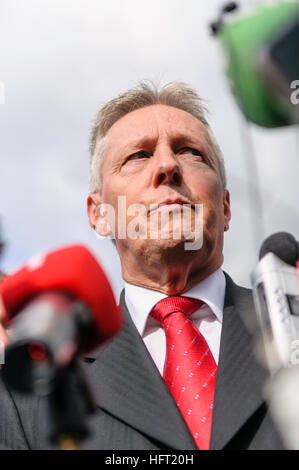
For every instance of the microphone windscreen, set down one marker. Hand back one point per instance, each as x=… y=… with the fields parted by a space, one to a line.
x=73 y=270
x=283 y=245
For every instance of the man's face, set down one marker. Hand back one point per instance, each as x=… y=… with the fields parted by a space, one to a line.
x=157 y=154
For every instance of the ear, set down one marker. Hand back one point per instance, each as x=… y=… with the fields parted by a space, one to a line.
x=226 y=209
x=96 y=220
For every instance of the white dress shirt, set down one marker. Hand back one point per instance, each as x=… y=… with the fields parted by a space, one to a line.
x=208 y=318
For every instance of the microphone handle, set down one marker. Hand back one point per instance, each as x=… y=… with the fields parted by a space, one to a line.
x=69 y=404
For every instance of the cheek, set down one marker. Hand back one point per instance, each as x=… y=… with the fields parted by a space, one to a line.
x=208 y=190
x=120 y=199
x=211 y=196
x=111 y=190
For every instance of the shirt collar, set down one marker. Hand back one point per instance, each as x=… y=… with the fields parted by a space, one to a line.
x=141 y=300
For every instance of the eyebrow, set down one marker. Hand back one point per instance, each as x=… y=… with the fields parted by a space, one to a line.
x=181 y=139
x=178 y=139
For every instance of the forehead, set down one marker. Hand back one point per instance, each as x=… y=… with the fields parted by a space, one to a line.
x=154 y=121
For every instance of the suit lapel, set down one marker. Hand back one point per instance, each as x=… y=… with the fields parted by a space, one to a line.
x=238 y=391
x=129 y=386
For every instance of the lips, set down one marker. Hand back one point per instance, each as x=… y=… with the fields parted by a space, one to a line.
x=170 y=204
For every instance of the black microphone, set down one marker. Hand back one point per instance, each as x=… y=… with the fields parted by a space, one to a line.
x=282 y=244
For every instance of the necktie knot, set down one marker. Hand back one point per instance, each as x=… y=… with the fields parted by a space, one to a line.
x=173 y=304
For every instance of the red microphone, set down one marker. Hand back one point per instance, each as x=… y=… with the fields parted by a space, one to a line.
x=59 y=305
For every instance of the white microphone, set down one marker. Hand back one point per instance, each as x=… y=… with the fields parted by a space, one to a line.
x=275 y=284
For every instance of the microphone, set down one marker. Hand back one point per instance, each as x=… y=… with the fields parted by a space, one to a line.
x=283 y=245
x=276 y=297
x=59 y=305
x=275 y=283
x=261 y=62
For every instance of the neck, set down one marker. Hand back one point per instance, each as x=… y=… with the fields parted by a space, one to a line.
x=169 y=276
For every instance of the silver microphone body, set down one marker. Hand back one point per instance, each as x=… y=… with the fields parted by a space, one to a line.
x=275 y=287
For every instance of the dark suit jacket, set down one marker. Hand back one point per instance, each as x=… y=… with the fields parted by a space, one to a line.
x=135 y=408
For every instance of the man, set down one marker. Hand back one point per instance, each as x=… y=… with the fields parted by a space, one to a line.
x=185 y=378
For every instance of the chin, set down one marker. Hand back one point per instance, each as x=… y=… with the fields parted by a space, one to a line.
x=159 y=251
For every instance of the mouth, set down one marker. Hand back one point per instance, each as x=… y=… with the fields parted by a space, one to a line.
x=170 y=204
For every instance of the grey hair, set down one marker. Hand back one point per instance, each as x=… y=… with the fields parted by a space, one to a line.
x=175 y=94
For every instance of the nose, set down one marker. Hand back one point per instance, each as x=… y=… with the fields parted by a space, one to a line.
x=166 y=169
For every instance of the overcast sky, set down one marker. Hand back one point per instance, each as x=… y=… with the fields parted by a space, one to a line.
x=62 y=59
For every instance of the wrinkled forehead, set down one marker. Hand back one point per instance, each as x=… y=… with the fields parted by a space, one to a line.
x=152 y=123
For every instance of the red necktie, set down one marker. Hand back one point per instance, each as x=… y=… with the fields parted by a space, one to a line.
x=189 y=368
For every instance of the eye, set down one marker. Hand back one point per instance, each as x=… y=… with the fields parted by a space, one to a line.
x=138 y=155
x=192 y=151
